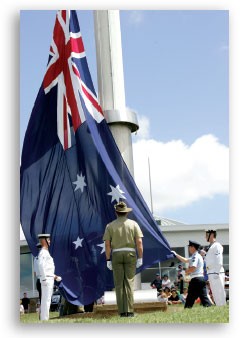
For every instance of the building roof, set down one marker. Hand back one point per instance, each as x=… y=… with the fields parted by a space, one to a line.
x=167 y=221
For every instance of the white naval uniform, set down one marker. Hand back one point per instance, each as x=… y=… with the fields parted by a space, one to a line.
x=215 y=271
x=36 y=267
x=46 y=270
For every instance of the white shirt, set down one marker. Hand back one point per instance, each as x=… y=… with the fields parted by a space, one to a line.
x=162 y=299
x=165 y=283
x=46 y=264
x=214 y=258
x=36 y=267
x=196 y=260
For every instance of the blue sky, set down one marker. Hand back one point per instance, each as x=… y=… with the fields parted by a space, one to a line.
x=176 y=79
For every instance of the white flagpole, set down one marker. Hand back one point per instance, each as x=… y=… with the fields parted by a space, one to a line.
x=151 y=199
x=111 y=93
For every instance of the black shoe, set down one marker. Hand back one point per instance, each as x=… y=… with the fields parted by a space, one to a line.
x=130 y=314
x=123 y=314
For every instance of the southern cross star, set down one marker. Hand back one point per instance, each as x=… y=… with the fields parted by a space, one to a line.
x=80 y=183
x=78 y=242
x=102 y=246
x=116 y=193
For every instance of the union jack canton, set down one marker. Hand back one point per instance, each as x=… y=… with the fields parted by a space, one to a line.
x=74 y=89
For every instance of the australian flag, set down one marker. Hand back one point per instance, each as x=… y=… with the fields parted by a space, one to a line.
x=72 y=173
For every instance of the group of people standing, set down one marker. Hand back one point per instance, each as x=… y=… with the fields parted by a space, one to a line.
x=214 y=269
x=123 y=238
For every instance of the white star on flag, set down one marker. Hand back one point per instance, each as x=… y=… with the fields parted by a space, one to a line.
x=102 y=246
x=80 y=183
x=116 y=193
x=78 y=242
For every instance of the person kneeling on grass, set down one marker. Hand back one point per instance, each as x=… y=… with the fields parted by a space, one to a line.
x=174 y=298
x=163 y=296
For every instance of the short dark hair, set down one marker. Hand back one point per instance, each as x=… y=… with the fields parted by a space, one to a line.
x=214 y=232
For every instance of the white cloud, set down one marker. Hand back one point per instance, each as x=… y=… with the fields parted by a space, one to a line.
x=180 y=174
x=144 y=127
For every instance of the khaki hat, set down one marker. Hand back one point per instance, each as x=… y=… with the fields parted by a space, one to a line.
x=122 y=207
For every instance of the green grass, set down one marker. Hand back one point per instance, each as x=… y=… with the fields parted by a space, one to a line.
x=175 y=314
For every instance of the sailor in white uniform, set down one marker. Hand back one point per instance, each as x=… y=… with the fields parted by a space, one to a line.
x=47 y=275
x=215 y=270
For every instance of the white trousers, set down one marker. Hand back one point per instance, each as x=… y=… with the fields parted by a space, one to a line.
x=46 y=293
x=217 y=287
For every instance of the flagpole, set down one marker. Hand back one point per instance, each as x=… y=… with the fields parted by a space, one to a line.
x=111 y=92
x=151 y=200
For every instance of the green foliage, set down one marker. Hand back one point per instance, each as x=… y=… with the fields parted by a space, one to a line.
x=175 y=314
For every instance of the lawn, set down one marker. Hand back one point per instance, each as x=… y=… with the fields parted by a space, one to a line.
x=175 y=314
